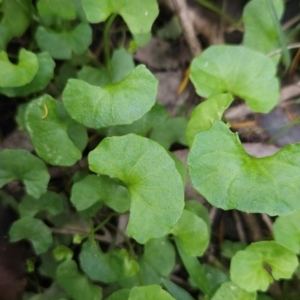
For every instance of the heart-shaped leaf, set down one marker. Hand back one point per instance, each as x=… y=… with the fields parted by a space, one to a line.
x=239 y=71
x=218 y=162
x=205 y=114
x=114 y=104
x=248 y=267
x=151 y=177
x=61 y=8
x=119 y=295
x=33 y=230
x=149 y=292
x=40 y=80
x=229 y=290
x=22 y=165
x=56 y=137
x=61 y=45
x=287 y=231
x=139 y=16
x=12 y=75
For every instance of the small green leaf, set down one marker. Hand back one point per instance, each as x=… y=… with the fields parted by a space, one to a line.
x=218 y=162
x=114 y=104
x=106 y=267
x=260 y=32
x=287 y=231
x=22 y=165
x=43 y=76
x=50 y=202
x=64 y=9
x=62 y=252
x=56 y=137
x=139 y=16
x=54 y=292
x=149 y=292
x=92 y=189
x=12 y=75
x=119 y=295
x=229 y=290
x=75 y=284
x=229 y=249
x=94 y=76
x=192 y=233
x=180 y=167
x=239 y=71
x=61 y=45
x=151 y=177
x=5 y=37
x=176 y=291
x=205 y=114
x=248 y=270
x=33 y=230
x=170 y=132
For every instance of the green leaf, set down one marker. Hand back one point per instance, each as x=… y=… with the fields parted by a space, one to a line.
x=64 y=9
x=106 y=267
x=151 y=177
x=191 y=231
x=62 y=252
x=50 y=202
x=54 y=292
x=93 y=76
x=33 y=230
x=114 y=104
x=5 y=37
x=61 y=45
x=218 y=162
x=239 y=71
x=119 y=295
x=149 y=292
x=22 y=165
x=205 y=114
x=176 y=291
x=139 y=16
x=229 y=290
x=228 y=248
x=56 y=137
x=93 y=189
x=248 y=270
x=180 y=167
x=75 y=284
x=15 y=75
x=170 y=132
x=17 y=15
x=260 y=32
x=286 y=231
x=43 y=76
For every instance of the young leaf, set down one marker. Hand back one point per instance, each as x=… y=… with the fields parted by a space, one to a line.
x=139 y=16
x=239 y=71
x=205 y=114
x=149 y=292
x=151 y=177
x=176 y=291
x=169 y=132
x=248 y=270
x=21 y=164
x=191 y=231
x=75 y=284
x=119 y=295
x=50 y=202
x=62 y=252
x=228 y=290
x=287 y=231
x=92 y=189
x=12 y=75
x=114 y=104
x=218 y=162
x=106 y=267
x=61 y=45
x=33 y=230
x=56 y=137
x=40 y=80
x=64 y=9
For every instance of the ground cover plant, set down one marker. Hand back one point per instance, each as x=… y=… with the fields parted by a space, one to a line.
x=100 y=196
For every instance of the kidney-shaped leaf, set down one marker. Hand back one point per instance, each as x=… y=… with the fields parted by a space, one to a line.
x=205 y=114
x=33 y=230
x=229 y=178
x=62 y=8
x=149 y=292
x=114 y=104
x=239 y=71
x=151 y=177
x=287 y=231
x=76 y=284
x=138 y=15
x=56 y=137
x=93 y=189
x=14 y=75
x=21 y=164
x=248 y=267
x=40 y=80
